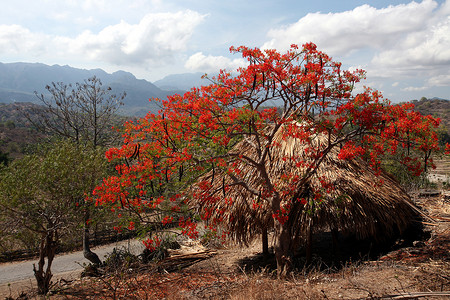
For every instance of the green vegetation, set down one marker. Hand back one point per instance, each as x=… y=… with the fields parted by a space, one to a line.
x=4 y=158
x=43 y=195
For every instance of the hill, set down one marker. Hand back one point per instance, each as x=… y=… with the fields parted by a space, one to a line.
x=16 y=133
x=439 y=108
x=19 y=81
x=436 y=107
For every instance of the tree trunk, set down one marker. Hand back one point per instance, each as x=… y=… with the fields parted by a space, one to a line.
x=283 y=242
x=87 y=253
x=49 y=243
x=283 y=250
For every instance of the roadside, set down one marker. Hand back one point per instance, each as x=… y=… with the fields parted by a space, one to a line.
x=17 y=276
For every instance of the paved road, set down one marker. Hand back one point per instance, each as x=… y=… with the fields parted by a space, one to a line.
x=63 y=263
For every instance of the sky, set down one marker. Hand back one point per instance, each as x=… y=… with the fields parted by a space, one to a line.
x=403 y=45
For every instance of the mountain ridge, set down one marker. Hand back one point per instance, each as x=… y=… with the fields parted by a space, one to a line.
x=20 y=80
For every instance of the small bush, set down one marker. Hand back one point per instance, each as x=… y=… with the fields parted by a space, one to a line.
x=160 y=252
x=120 y=259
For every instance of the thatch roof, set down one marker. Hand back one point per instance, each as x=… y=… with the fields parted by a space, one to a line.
x=362 y=202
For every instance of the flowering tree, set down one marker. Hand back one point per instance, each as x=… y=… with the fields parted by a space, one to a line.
x=302 y=94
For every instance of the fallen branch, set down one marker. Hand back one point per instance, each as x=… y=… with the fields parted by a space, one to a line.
x=181 y=261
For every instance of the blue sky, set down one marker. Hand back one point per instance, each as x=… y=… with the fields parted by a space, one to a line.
x=403 y=45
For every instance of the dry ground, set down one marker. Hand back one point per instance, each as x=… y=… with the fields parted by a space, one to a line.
x=413 y=271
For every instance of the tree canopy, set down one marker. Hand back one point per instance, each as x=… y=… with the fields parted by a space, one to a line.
x=299 y=95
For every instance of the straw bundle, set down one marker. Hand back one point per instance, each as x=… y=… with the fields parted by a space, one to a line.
x=361 y=202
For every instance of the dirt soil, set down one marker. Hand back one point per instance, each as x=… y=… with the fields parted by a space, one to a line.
x=416 y=267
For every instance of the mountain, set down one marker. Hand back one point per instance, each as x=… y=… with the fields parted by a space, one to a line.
x=19 y=81
x=183 y=82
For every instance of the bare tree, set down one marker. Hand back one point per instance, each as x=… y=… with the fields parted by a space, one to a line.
x=84 y=115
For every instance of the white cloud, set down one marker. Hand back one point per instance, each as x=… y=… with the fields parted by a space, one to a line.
x=422 y=49
x=17 y=39
x=397 y=42
x=201 y=62
x=156 y=38
x=440 y=80
x=415 y=88
x=362 y=27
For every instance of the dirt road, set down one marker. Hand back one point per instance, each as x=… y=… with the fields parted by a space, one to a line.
x=63 y=263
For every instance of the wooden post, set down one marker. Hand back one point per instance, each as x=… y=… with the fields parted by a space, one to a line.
x=265 y=242
x=309 y=243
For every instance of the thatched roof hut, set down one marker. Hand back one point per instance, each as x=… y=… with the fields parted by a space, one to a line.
x=362 y=202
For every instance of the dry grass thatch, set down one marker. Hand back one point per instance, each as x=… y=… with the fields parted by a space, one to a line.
x=361 y=203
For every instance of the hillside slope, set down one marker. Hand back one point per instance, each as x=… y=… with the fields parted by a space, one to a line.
x=436 y=107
